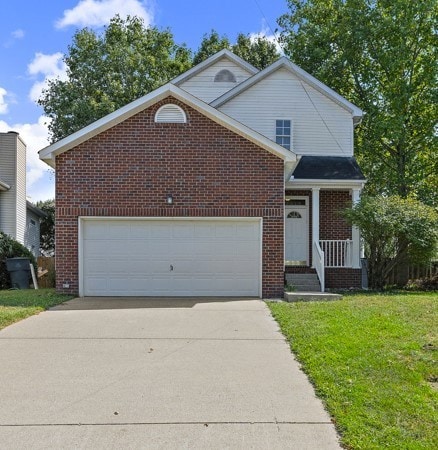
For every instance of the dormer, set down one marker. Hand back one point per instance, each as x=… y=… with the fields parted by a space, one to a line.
x=215 y=76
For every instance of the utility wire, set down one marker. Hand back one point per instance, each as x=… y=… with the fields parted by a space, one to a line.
x=268 y=24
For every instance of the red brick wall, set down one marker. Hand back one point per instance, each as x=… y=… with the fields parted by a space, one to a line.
x=129 y=170
x=332 y=225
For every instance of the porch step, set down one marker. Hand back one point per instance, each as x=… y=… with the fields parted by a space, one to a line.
x=310 y=296
x=303 y=282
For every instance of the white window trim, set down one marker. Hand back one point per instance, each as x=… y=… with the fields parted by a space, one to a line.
x=291 y=131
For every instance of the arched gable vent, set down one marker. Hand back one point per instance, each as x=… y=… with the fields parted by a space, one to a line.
x=170 y=113
x=225 y=75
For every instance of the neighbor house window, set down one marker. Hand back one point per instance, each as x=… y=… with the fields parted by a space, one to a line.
x=283 y=133
x=32 y=222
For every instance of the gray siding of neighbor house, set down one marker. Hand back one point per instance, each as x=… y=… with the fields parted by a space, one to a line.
x=32 y=233
x=13 y=172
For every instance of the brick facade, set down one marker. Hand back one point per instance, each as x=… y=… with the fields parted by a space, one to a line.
x=128 y=170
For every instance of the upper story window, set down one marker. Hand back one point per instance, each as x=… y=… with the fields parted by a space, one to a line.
x=170 y=113
x=225 y=75
x=32 y=222
x=283 y=133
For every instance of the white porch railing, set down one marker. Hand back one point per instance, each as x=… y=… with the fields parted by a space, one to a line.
x=318 y=263
x=337 y=253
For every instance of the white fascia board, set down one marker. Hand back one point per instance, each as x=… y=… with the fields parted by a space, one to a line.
x=325 y=184
x=4 y=186
x=283 y=62
x=49 y=153
x=211 y=60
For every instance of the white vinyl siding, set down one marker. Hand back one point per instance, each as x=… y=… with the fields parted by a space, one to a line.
x=21 y=190
x=13 y=172
x=205 y=88
x=170 y=257
x=32 y=235
x=320 y=126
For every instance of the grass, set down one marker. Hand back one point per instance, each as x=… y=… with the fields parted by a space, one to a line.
x=371 y=359
x=16 y=305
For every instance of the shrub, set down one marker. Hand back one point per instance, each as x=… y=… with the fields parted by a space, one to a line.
x=423 y=284
x=10 y=248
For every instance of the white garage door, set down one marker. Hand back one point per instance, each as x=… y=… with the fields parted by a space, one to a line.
x=170 y=257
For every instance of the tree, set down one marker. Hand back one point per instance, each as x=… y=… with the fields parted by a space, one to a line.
x=258 y=51
x=109 y=70
x=47 y=227
x=396 y=232
x=381 y=55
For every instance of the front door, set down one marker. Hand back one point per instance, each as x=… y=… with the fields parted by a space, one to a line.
x=297 y=232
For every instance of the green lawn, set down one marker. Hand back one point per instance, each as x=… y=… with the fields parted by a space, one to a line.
x=370 y=358
x=16 y=305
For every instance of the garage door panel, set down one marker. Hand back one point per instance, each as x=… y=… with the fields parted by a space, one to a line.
x=171 y=257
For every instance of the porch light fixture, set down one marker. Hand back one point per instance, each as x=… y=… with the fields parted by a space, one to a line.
x=169 y=199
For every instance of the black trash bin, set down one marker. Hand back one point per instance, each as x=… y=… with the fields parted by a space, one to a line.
x=19 y=270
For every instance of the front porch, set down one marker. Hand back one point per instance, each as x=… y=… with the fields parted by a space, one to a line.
x=318 y=240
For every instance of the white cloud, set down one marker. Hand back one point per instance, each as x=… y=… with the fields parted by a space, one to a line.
x=36 y=137
x=265 y=33
x=50 y=66
x=3 y=104
x=18 y=34
x=96 y=13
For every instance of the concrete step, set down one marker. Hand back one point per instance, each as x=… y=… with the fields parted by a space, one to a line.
x=302 y=276
x=310 y=296
x=303 y=282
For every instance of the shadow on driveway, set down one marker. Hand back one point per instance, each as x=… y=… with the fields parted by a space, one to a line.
x=100 y=303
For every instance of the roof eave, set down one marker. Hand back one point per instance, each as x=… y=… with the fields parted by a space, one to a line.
x=4 y=186
x=49 y=153
x=308 y=183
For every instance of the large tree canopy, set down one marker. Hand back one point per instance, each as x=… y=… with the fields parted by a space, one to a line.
x=110 y=70
x=258 y=50
x=381 y=55
x=106 y=71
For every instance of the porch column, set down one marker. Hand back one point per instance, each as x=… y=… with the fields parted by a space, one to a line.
x=315 y=219
x=355 y=235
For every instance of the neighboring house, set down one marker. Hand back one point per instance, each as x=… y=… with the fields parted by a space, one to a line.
x=217 y=183
x=18 y=217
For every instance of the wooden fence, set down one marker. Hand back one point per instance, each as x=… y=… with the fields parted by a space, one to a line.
x=411 y=272
x=46 y=271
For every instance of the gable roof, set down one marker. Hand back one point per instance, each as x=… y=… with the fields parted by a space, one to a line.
x=210 y=61
x=49 y=153
x=283 y=62
x=39 y=212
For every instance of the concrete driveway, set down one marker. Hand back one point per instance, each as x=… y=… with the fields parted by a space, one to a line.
x=115 y=373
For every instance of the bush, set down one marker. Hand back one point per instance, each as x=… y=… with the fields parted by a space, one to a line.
x=10 y=248
x=423 y=284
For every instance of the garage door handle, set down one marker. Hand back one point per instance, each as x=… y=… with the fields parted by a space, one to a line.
x=171 y=267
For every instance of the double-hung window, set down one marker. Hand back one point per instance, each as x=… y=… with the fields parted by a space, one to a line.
x=283 y=133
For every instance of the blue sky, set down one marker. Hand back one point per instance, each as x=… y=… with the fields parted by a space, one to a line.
x=36 y=34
